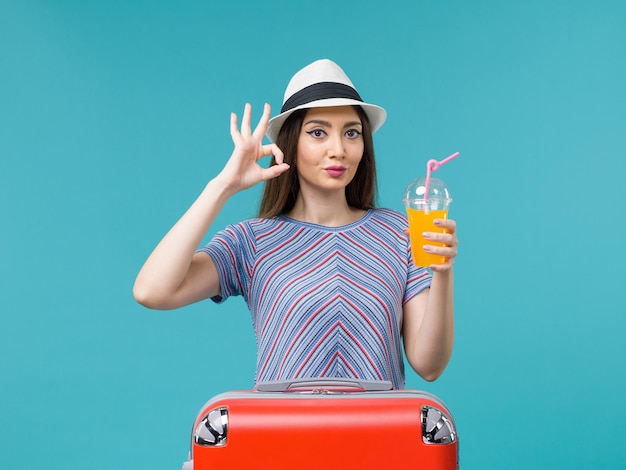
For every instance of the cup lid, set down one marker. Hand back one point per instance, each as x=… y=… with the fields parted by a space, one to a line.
x=437 y=191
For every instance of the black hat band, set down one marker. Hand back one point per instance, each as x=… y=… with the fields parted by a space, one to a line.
x=320 y=91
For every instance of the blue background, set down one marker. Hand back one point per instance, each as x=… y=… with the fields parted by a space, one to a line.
x=114 y=115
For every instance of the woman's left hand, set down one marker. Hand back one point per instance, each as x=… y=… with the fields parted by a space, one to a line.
x=449 y=239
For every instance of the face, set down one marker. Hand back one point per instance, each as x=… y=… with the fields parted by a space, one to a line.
x=330 y=148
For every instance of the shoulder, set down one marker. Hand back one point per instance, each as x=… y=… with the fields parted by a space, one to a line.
x=255 y=229
x=388 y=226
x=260 y=226
x=389 y=217
x=253 y=225
x=243 y=238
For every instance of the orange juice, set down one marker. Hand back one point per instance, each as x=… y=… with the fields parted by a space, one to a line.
x=420 y=222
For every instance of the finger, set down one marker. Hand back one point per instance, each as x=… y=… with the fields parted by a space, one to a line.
x=272 y=149
x=449 y=252
x=261 y=127
x=449 y=257
x=433 y=236
x=448 y=239
x=448 y=224
x=440 y=268
x=234 y=129
x=274 y=171
x=439 y=248
x=245 y=120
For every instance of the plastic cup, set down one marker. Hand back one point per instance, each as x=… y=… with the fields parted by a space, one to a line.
x=422 y=209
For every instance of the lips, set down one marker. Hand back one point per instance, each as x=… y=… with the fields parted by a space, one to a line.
x=335 y=171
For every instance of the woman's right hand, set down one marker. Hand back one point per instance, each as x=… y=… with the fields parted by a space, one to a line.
x=174 y=274
x=242 y=170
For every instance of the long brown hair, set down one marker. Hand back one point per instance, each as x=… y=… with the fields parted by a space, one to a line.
x=280 y=193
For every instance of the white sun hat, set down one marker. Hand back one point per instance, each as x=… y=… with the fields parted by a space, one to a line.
x=320 y=84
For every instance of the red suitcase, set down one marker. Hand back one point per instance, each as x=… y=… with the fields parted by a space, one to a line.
x=324 y=423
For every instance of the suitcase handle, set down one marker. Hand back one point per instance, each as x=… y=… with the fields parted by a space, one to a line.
x=324 y=385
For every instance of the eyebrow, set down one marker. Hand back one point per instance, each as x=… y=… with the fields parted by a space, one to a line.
x=328 y=124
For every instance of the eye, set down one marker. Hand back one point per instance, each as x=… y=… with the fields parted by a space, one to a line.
x=352 y=134
x=316 y=133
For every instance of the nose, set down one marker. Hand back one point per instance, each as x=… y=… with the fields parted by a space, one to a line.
x=336 y=147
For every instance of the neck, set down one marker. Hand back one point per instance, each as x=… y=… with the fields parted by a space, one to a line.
x=327 y=211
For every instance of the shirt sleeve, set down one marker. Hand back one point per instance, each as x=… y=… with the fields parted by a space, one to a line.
x=227 y=249
x=418 y=279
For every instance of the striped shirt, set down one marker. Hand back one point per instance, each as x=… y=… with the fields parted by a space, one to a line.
x=325 y=301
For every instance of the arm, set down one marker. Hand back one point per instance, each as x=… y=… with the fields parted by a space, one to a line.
x=428 y=325
x=174 y=274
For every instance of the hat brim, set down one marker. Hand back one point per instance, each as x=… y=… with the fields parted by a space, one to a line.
x=375 y=114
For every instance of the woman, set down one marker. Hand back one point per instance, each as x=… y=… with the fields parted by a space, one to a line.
x=329 y=279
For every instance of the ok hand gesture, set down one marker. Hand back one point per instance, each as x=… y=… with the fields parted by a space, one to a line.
x=243 y=170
